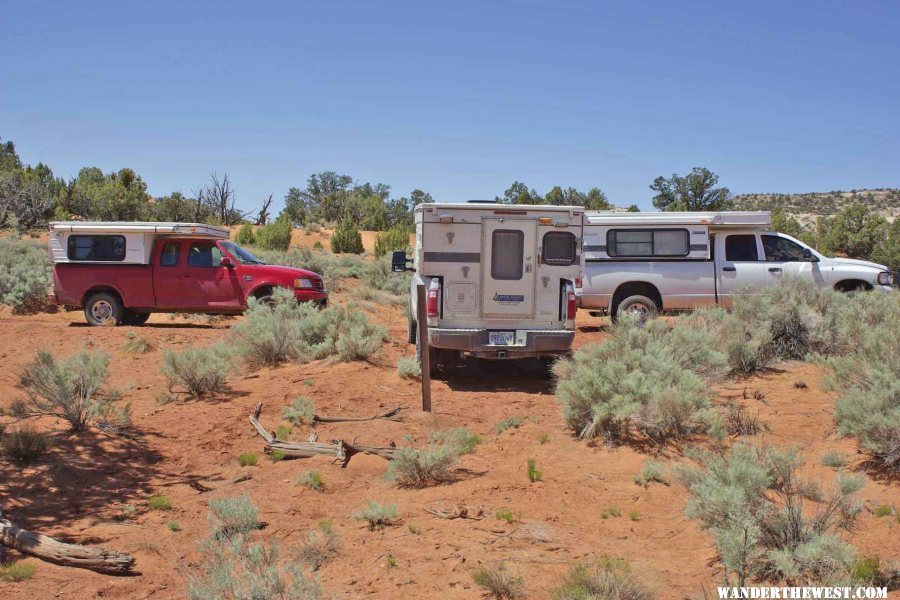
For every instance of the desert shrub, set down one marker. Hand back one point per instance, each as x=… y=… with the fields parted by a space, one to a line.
x=159 y=502
x=25 y=444
x=870 y=572
x=498 y=582
x=25 y=272
x=283 y=432
x=652 y=471
x=71 y=389
x=136 y=344
x=533 y=473
x=277 y=455
x=312 y=480
x=275 y=236
x=834 y=459
x=766 y=520
x=609 y=579
x=504 y=514
x=395 y=238
x=508 y=423
x=199 y=372
x=319 y=546
x=235 y=566
x=359 y=339
x=347 y=239
x=642 y=381
x=739 y=421
x=461 y=438
x=245 y=235
x=409 y=368
x=377 y=515
x=173 y=526
x=302 y=410
x=379 y=276
x=423 y=467
x=248 y=459
x=13 y=572
x=233 y=516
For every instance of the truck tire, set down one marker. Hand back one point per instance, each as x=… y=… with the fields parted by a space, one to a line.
x=103 y=308
x=641 y=306
x=412 y=330
x=134 y=318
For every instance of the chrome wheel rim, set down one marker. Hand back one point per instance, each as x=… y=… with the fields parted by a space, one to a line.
x=641 y=311
x=102 y=311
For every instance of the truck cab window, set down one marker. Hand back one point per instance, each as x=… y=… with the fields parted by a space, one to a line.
x=559 y=248
x=107 y=248
x=507 y=253
x=170 y=253
x=779 y=249
x=741 y=248
x=204 y=255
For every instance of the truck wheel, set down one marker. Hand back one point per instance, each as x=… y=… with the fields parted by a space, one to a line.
x=103 y=308
x=641 y=307
x=134 y=318
x=412 y=330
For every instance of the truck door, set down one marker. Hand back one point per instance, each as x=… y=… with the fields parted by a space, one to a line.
x=508 y=271
x=168 y=272
x=206 y=283
x=787 y=258
x=740 y=265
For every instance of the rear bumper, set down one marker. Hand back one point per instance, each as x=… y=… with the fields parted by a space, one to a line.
x=538 y=342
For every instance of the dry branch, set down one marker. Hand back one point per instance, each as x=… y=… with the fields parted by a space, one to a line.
x=388 y=415
x=44 y=547
x=342 y=451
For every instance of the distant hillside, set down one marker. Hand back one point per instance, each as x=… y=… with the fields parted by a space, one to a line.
x=806 y=208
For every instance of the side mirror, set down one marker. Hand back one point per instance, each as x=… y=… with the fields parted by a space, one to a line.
x=226 y=262
x=399 y=262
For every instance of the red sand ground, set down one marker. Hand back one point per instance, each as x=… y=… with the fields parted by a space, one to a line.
x=188 y=451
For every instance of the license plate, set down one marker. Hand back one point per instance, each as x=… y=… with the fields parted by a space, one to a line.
x=501 y=338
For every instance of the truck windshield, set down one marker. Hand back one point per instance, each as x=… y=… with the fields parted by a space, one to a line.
x=243 y=257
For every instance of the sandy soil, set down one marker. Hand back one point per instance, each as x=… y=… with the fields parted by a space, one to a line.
x=188 y=450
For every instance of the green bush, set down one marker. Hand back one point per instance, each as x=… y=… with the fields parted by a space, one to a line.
x=26 y=444
x=159 y=502
x=409 y=368
x=301 y=411
x=533 y=473
x=462 y=439
x=379 y=276
x=609 y=579
x=423 y=467
x=319 y=546
x=25 y=271
x=347 y=239
x=498 y=582
x=312 y=480
x=233 y=516
x=377 y=515
x=394 y=239
x=136 y=344
x=275 y=236
x=248 y=459
x=198 y=372
x=651 y=472
x=766 y=520
x=245 y=235
x=13 y=572
x=508 y=423
x=70 y=389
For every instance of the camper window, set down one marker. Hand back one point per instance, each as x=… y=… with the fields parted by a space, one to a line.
x=559 y=248
x=741 y=248
x=106 y=248
x=507 y=250
x=647 y=242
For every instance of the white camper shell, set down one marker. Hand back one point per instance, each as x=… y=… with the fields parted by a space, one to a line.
x=500 y=279
x=68 y=238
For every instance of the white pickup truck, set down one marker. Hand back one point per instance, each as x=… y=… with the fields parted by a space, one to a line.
x=647 y=263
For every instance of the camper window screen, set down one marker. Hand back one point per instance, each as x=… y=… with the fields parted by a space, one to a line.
x=559 y=248
x=647 y=242
x=507 y=250
x=96 y=247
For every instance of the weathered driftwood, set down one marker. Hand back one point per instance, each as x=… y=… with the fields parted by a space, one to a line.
x=68 y=555
x=342 y=451
x=326 y=419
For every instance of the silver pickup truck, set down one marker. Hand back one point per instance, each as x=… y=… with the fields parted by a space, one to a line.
x=647 y=263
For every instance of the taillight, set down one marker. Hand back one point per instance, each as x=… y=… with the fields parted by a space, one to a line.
x=432 y=304
x=578 y=282
x=571 y=309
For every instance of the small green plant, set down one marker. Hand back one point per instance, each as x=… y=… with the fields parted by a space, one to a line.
x=283 y=432
x=136 y=344
x=319 y=545
x=234 y=516
x=391 y=561
x=634 y=515
x=245 y=235
x=499 y=583
x=173 y=526
x=464 y=440
x=608 y=579
x=834 y=459
x=377 y=515
x=277 y=455
x=612 y=511
x=651 y=472
x=409 y=368
x=308 y=382
x=198 y=372
x=533 y=473
x=159 y=502
x=312 y=480
x=543 y=438
x=884 y=511
x=13 y=572
x=423 y=467
x=504 y=514
x=509 y=423
x=25 y=444
x=301 y=411
x=248 y=459
x=414 y=529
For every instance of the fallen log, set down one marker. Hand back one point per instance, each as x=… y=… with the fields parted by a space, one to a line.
x=111 y=562
x=341 y=450
x=389 y=415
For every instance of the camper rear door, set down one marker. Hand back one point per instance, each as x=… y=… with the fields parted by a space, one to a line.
x=509 y=265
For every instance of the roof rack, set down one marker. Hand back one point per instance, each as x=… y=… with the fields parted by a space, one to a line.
x=164 y=228
x=713 y=219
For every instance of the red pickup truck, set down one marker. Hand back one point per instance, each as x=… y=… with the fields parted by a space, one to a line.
x=120 y=273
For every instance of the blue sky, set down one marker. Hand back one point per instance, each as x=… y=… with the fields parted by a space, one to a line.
x=458 y=98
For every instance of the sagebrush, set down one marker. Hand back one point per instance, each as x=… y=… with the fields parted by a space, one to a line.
x=198 y=372
x=608 y=579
